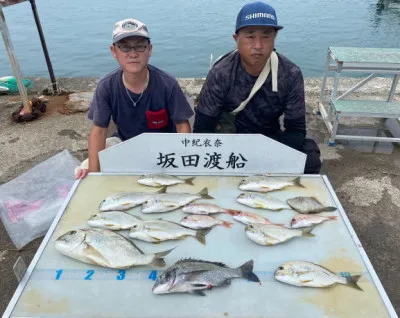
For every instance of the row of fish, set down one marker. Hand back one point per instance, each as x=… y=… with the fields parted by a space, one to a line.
x=161 y=201
x=256 y=183
x=194 y=276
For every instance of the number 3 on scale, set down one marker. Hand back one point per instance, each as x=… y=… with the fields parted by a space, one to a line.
x=121 y=275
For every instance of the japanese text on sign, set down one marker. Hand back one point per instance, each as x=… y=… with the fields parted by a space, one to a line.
x=205 y=143
x=211 y=161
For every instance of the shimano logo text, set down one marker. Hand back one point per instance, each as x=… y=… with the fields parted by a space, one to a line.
x=259 y=15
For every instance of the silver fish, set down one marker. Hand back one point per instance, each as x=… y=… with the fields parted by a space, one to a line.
x=197 y=222
x=261 y=201
x=105 y=248
x=268 y=234
x=262 y=183
x=306 y=220
x=156 y=231
x=161 y=179
x=308 y=205
x=166 y=202
x=205 y=208
x=126 y=200
x=194 y=276
x=305 y=274
x=114 y=220
x=251 y=217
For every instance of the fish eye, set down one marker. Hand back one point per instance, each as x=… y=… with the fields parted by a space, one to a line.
x=280 y=268
x=135 y=226
x=72 y=232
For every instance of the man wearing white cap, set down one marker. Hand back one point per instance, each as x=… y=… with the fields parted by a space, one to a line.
x=249 y=89
x=137 y=96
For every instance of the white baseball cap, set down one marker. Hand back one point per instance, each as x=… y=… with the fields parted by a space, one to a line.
x=129 y=27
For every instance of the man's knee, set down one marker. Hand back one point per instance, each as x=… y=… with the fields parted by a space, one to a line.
x=313 y=161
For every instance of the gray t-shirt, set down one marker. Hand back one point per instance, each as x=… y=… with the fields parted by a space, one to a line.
x=161 y=106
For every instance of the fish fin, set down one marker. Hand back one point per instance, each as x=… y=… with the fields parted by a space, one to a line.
x=307 y=231
x=296 y=182
x=162 y=189
x=185 y=260
x=330 y=209
x=352 y=282
x=94 y=255
x=201 y=235
x=279 y=224
x=135 y=246
x=227 y=224
x=247 y=271
x=306 y=281
x=164 y=253
x=197 y=292
x=158 y=260
x=233 y=212
x=189 y=181
x=204 y=194
x=332 y=218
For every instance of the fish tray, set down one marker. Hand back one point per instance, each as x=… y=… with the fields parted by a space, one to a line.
x=55 y=285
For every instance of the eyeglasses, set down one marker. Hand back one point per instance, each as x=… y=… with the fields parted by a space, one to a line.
x=136 y=48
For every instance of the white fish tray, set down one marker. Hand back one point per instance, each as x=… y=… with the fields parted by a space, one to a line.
x=55 y=285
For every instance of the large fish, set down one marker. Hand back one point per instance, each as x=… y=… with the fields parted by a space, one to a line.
x=166 y=202
x=126 y=200
x=161 y=179
x=306 y=220
x=105 y=248
x=269 y=234
x=204 y=208
x=261 y=201
x=308 y=205
x=156 y=231
x=114 y=220
x=261 y=183
x=194 y=276
x=305 y=274
x=250 y=217
x=197 y=222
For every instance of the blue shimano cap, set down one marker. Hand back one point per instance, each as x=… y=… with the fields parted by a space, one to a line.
x=257 y=13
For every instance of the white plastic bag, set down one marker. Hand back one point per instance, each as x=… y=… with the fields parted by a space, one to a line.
x=29 y=203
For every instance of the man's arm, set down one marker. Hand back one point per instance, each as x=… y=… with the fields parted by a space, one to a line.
x=183 y=127
x=211 y=101
x=97 y=143
x=295 y=115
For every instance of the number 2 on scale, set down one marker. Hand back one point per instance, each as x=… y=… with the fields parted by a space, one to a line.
x=89 y=275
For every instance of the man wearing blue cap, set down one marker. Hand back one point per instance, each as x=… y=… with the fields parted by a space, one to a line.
x=247 y=90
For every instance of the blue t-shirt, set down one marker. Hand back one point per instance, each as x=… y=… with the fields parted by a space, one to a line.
x=163 y=94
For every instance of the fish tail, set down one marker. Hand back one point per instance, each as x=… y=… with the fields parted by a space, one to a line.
x=162 y=189
x=331 y=218
x=233 y=212
x=189 y=181
x=247 y=271
x=297 y=183
x=158 y=260
x=352 y=282
x=201 y=235
x=227 y=224
x=307 y=231
x=204 y=194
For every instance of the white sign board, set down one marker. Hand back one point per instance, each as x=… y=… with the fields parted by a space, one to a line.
x=208 y=154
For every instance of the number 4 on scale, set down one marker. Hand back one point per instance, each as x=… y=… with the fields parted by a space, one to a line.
x=153 y=275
